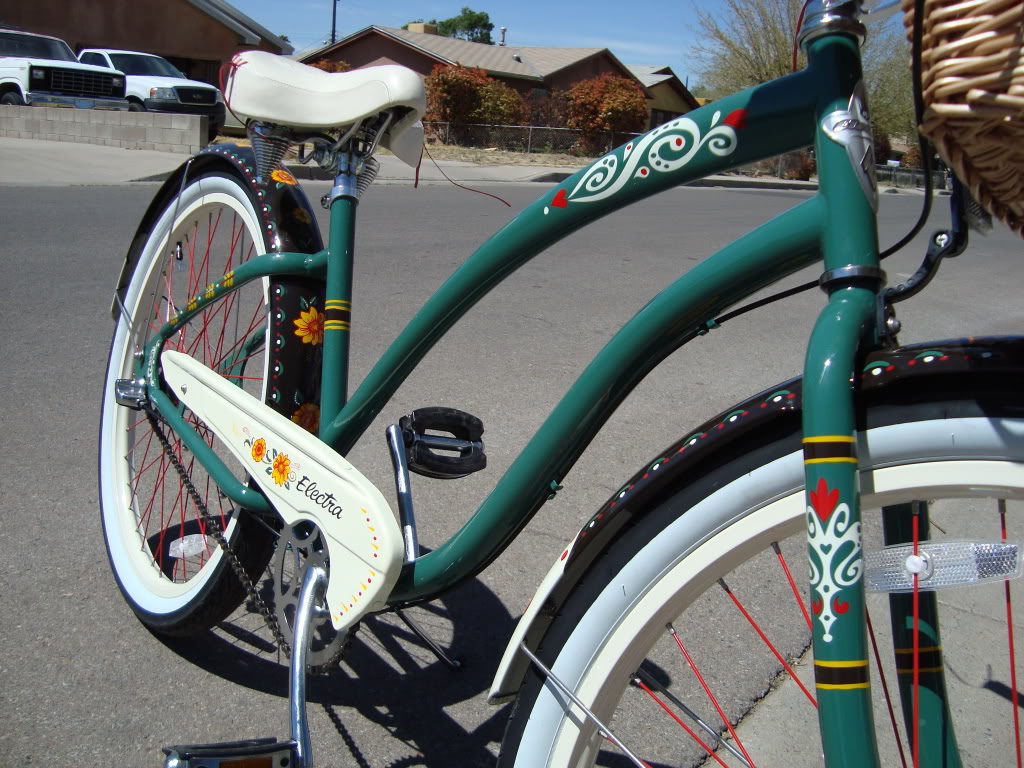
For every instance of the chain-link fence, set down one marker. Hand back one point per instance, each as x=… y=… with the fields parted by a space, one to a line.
x=525 y=138
x=894 y=176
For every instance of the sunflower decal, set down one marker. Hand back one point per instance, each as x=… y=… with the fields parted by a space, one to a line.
x=229 y=279
x=259 y=450
x=310 y=326
x=210 y=292
x=283 y=177
x=282 y=465
x=308 y=417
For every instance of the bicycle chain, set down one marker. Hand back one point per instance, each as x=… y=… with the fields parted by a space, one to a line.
x=213 y=525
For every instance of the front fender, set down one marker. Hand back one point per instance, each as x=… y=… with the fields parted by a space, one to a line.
x=945 y=366
x=280 y=200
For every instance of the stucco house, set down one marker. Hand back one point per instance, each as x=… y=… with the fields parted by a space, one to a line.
x=669 y=96
x=526 y=68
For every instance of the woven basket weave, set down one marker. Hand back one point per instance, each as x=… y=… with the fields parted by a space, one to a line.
x=972 y=78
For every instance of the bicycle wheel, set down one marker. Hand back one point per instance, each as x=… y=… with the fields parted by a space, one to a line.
x=668 y=583
x=172 y=573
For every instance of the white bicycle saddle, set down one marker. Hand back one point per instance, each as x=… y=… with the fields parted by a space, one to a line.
x=275 y=89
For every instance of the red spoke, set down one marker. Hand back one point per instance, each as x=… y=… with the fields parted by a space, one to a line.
x=1013 y=655
x=917 y=656
x=792 y=584
x=885 y=689
x=682 y=725
x=710 y=695
x=767 y=642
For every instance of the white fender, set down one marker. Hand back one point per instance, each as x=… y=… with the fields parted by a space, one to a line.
x=304 y=480
x=514 y=664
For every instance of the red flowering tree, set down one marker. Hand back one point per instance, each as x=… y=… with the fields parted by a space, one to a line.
x=605 y=103
x=460 y=94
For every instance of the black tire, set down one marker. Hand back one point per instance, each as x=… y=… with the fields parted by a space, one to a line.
x=169 y=569
x=136 y=106
x=614 y=621
x=12 y=99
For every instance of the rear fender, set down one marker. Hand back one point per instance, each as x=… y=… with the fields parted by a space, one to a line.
x=285 y=211
x=942 y=366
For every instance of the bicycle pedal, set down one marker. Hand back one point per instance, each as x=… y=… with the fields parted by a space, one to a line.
x=251 y=753
x=456 y=454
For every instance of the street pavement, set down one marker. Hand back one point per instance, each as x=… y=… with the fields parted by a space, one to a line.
x=48 y=163
x=81 y=682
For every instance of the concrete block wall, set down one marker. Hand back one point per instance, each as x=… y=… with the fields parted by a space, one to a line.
x=183 y=134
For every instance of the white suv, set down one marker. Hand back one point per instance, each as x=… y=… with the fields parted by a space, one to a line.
x=42 y=70
x=154 y=85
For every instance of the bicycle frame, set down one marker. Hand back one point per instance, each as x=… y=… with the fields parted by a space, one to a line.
x=838 y=225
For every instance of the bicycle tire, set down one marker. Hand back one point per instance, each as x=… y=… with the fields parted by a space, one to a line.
x=671 y=558
x=215 y=227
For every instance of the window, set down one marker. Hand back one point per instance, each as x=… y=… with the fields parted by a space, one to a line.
x=661 y=116
x=34 y=47
x=141 y=64
x=95 y=58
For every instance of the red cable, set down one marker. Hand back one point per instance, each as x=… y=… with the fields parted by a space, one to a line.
x=885 y=689
x=917 y=658
x=1013 y=655
x=796 y=33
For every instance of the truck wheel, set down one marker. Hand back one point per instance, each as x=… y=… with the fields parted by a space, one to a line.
x=13 y=99
x=134 y=106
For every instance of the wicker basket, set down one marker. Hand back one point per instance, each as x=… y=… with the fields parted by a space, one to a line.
x=972 y=72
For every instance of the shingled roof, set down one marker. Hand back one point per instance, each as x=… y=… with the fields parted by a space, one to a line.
x=525 y=62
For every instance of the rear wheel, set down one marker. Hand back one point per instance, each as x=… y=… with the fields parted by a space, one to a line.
x=166 y=560
x=659 y=605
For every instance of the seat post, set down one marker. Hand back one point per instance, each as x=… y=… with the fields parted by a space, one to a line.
x=343 y=199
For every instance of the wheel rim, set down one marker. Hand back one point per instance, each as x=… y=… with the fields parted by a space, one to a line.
x=631 y=711
x=159 y=546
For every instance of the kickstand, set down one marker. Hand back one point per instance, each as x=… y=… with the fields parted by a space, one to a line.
x=436 y=649
x=314 y=582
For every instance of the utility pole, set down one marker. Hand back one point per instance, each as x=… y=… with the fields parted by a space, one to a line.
x=334 y=20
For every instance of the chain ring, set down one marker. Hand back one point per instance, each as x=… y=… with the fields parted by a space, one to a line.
x=299 y=547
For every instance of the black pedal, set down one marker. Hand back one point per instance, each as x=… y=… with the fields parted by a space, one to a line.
x=252 y=753
x=457 y=453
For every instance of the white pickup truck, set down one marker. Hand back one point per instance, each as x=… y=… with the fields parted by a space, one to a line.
x=155 y=85
x=42 y=70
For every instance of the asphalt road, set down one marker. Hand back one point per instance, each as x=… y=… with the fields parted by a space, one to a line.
x=82 y=682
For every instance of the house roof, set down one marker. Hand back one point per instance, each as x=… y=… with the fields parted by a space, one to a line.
x=526 y=62
x=652 y=76
x=247 y=29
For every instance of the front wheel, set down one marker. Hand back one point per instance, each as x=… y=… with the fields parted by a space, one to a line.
x=682 y=590
x=164 y=557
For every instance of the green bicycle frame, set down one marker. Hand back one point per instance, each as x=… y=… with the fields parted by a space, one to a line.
x=838 y=225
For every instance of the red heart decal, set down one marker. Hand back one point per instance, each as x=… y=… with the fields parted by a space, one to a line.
x=824 y=501
x=560 y=201
x=737 y=119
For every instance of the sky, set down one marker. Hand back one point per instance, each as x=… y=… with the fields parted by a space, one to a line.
x=661 y=34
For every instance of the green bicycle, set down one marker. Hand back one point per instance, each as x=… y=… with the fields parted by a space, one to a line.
x=226 y=418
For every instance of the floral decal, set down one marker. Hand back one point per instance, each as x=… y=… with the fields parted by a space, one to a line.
x=259 y=450
x=310 y=326
x=283 y=177
x=835 y=560
x=276 y=464
x=280 y=468
x=192 y=304
x=210 y=292
x=229 y=279
x=665 y=149
x=308 y=417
